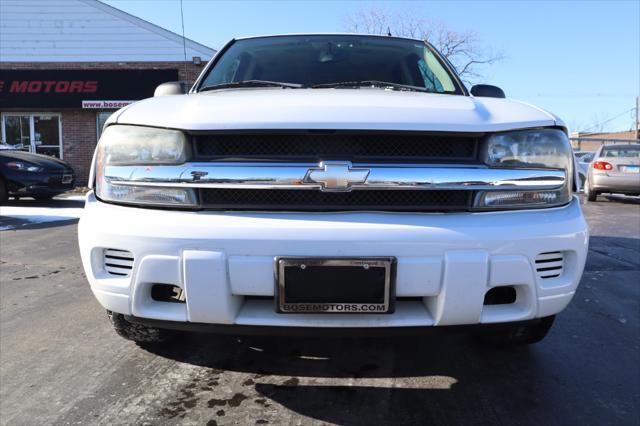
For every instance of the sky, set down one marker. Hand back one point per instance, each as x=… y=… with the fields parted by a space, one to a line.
x=578 y=59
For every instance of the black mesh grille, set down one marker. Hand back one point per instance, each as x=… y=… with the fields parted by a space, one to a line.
x=383 y=146
x=314 y=200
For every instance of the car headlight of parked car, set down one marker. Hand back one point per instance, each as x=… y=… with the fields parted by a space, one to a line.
x=124 y=145
x=25 y=166
x=529 y=149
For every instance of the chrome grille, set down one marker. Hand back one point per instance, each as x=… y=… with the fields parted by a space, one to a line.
x=550 y=264
x=341 y=170
x=313 y=200
x=345 y=146
x=118 y=262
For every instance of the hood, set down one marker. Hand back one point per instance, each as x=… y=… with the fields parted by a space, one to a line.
x=357 y=109
x=45 y=161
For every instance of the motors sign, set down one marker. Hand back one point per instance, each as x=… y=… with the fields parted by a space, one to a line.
x=79 y=88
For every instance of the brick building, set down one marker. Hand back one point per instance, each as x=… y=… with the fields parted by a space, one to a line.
x=593 y=141
x=66 y=65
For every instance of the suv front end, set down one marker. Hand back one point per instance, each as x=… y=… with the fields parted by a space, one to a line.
x=291 y=221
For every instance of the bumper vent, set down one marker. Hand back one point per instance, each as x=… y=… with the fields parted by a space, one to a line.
x=342 y=145
x=550 y=264
x=118 y=262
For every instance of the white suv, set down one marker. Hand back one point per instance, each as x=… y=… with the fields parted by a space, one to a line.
x=339 y=182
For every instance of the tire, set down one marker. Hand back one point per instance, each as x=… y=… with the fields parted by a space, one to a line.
x=4 y=192
x=138 y=333
x=590 y=193
x=517 y=334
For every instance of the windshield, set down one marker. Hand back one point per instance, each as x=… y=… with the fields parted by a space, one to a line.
x=325 y=59
x=623 y=152
x=584 y=157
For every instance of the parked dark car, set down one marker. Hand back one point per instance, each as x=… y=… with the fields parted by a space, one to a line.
x=23 y=174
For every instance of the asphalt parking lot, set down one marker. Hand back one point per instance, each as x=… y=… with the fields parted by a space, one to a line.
x=60 y=362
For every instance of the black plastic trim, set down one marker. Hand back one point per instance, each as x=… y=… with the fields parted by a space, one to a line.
x=250 y=330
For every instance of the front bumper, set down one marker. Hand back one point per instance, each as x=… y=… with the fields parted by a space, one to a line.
x=445 y=262
x=46 y=183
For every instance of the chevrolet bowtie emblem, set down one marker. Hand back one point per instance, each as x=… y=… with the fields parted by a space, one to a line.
x=336 y=176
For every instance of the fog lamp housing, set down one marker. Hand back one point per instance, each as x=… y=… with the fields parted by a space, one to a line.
x=147 y=195
x=489 y=200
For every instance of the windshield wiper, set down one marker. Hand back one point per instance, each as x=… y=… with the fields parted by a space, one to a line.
x=251 y=83
x=371 y=83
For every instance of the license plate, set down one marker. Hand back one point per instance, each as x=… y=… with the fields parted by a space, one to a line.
x=67 y=178
x=630 y=169
x=335 y=285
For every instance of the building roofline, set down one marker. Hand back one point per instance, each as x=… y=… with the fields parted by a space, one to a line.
x=170 y=35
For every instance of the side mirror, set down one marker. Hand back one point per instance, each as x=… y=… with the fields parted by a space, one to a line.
x=487 y=91
x=171 y=88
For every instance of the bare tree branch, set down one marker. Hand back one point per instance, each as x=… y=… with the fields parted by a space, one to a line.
x=463 y=49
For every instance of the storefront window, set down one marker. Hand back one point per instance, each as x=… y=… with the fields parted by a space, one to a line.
x=33 y=132
x=46 y=135
x=102 y=118
x=16 y=132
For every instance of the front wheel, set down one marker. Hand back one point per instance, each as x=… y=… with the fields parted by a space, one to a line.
x=518 y=334
x=137 y=332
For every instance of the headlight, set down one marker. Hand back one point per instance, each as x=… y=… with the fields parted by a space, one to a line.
x=131 y=145
x=546 y=148
x=24 y=166
x=123 y=145
x=530 y=149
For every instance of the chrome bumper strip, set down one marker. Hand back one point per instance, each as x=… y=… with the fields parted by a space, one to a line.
x=335 y=176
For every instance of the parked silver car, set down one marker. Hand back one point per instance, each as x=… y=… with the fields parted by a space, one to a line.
x=614 y=169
